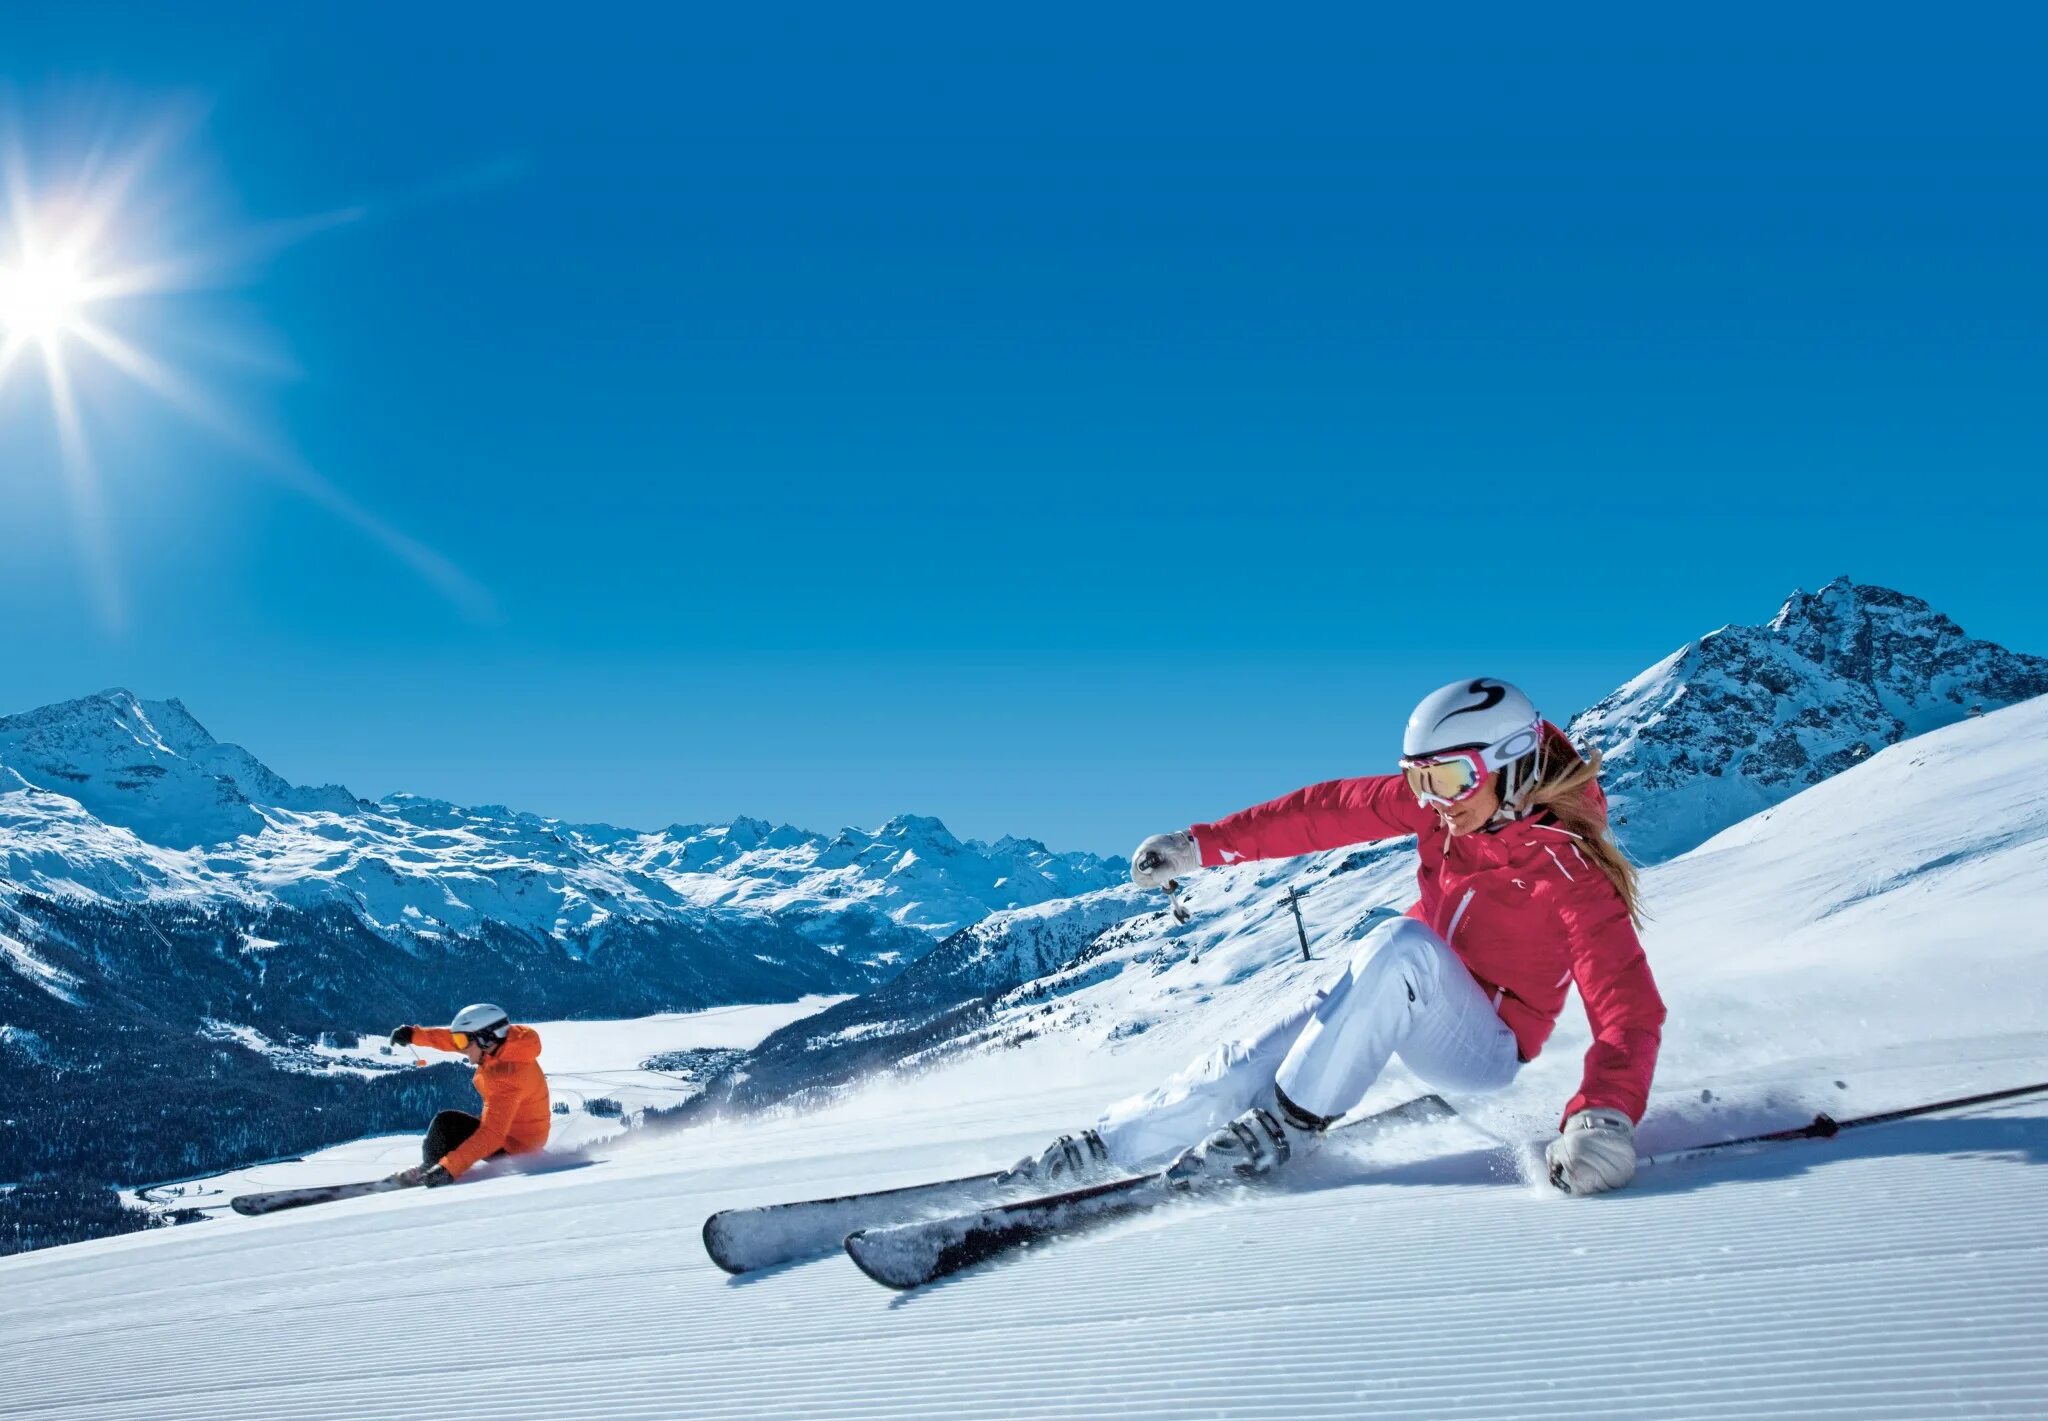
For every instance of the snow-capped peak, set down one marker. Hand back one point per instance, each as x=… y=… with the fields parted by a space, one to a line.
x=1744 y=717
x=916 y=826
x=152 y=768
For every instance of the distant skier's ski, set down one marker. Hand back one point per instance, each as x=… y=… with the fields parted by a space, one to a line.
x=277 y=1199
x=912 y=1254
x=743 y=1240
x=497 y=1167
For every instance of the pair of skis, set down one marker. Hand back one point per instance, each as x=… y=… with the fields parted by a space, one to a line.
x=905 y=1238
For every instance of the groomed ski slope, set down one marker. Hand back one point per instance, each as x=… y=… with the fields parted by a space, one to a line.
x=1882 y=931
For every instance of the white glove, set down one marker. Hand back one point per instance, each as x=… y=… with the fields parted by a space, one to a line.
x=1595 y=1151
x=1165 y=856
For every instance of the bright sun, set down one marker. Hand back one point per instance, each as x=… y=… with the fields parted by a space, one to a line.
x=85 y=271
x=42 y=298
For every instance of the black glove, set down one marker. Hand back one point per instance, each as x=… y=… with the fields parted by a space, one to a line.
x=402 y=1036
x=433 y=1176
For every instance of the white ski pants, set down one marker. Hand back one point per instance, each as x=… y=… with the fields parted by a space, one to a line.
x=1405 y=993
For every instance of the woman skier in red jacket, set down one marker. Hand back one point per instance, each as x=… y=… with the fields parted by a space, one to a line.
x=1523 y=894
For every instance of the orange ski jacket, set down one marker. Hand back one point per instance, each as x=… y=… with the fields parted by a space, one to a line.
x=515 y=1096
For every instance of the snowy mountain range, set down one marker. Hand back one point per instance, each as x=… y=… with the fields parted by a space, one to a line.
x=118 y=799
x=121 y=799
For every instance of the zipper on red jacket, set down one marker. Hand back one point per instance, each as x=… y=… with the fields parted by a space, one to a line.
x=1451 y=932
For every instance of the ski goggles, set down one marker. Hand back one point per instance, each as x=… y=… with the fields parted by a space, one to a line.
x=461 y=1039
x=1453 y=776
x=481 y=1038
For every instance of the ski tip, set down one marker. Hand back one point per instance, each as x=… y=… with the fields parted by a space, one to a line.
x=716 y=1243
x=876 y=1263
x=245 y=1206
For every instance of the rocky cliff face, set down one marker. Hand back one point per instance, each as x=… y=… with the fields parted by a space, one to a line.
x=1745 y=717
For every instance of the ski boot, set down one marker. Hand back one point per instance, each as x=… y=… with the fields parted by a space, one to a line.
x=1069 y=1162
x=1263 y=1138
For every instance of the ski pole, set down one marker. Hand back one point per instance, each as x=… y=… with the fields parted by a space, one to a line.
x=1826 y=1127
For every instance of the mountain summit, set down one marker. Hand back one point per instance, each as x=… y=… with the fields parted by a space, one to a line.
x=1745 y=717
x=152 y=768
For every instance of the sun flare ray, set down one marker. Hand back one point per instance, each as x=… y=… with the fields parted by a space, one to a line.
x=82 y=483
x=11 y=346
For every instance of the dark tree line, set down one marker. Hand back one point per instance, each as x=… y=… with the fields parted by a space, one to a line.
x=62 y=1208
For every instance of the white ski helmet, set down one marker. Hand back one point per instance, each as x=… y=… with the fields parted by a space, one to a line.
x=1494 y=724
x=482 y=1022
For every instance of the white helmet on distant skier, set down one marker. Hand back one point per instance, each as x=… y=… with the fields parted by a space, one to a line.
x=482 y=1023
x=1463 y=734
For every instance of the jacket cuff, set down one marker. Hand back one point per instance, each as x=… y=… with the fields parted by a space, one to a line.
x=1582 y=1101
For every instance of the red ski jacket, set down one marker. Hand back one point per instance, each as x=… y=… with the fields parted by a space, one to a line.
x=1523 y=908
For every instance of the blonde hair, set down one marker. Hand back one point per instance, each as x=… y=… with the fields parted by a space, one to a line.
x=1560 y=789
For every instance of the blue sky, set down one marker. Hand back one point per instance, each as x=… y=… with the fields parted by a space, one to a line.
x=1067 y=425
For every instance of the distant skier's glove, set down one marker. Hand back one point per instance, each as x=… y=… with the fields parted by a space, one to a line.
x=1165 y=856
x=1596 y=1151
x=402 y=1036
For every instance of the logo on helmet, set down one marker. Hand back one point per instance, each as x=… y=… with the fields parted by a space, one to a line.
x=1493 y=691
x=1515 y=746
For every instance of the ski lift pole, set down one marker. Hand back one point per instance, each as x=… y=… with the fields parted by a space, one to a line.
x=1293 y=901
